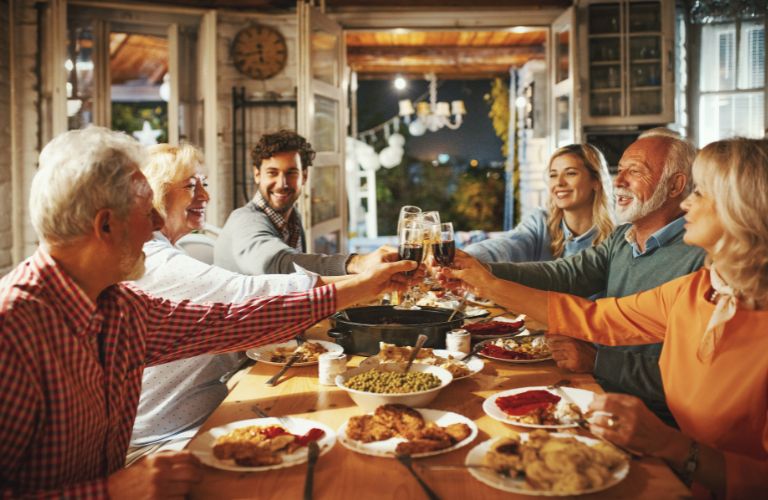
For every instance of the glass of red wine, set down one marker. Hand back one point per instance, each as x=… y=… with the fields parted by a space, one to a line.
x=443 y=244
x=410 y=247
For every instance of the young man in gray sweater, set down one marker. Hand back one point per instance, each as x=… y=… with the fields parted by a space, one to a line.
x=654 y=177
x=266 y=236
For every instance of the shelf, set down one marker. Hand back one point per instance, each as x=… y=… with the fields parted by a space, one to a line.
x=614 y=62
x=612 y=90
x=644 y=33
x=603 y=36
x=645 y=61
x=645 y=88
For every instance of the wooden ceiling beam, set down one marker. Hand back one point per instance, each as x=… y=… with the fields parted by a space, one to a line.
x=445 y=52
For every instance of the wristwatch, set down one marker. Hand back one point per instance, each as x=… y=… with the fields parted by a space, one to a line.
x=691 y=463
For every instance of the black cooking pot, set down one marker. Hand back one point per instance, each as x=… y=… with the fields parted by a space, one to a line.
x=360 y=329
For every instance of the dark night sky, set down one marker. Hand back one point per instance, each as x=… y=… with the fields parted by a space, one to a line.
x=475 y=139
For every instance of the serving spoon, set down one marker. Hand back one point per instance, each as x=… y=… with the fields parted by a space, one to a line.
x=419 y=342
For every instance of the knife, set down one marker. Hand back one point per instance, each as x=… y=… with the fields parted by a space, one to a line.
x=478 y=347
x=460 y=307
x=406 y=461
x=312 y=453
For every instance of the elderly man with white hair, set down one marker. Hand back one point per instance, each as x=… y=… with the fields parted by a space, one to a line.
x=75 y=341
x=646 y=251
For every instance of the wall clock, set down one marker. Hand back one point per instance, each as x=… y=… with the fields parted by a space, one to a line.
x=259 y=52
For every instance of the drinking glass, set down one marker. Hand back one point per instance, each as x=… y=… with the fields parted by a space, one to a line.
x=443 y=243
x=408 y=213
x=429 y=220
x=410 y=247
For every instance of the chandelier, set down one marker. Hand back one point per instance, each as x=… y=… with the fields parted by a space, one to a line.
x=432 y=115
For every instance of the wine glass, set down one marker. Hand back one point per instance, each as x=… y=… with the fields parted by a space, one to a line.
x=443 y=243
x=410 y=247
x=444 y=247
x=429 y=220
x=408 y=213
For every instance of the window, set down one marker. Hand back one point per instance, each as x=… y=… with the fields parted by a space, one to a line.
x=732 y=100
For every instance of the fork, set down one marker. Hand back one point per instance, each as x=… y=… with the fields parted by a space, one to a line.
x=313 y=453
x=294 y=358
x=582 y=422
x=260 y=412
x=407 y=463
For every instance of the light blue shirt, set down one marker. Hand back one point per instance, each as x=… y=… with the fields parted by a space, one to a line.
x=657 y=239
x=529 y=242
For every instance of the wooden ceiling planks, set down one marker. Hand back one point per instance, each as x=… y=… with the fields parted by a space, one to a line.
x=449 y=54
x=134 y=56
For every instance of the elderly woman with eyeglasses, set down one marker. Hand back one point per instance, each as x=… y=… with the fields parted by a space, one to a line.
x=713 y=323
x=178 y=396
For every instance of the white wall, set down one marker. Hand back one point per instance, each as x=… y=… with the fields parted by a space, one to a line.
x=6 y=189
x=18 y=129
x=259 y=120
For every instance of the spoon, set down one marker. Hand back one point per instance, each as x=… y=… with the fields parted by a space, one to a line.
x=419 y=342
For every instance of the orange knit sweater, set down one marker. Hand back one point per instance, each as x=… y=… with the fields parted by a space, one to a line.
x=723 y=404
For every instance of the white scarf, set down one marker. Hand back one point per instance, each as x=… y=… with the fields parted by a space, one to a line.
x=725 y=309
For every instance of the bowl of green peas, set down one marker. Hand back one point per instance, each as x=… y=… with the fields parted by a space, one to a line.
x=388 y=383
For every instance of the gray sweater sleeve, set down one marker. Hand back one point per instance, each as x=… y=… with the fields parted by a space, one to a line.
x=257 y=247
x=583 y=274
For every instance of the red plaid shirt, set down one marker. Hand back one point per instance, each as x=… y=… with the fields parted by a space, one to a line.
x=67 y=408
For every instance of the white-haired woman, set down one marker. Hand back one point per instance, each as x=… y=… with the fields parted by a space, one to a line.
x=178 y=396
x=578 y=216
x=713 y=323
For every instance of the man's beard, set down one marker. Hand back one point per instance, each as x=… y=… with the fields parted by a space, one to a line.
x=283 y=209
x=132 y=268
x=639 y=209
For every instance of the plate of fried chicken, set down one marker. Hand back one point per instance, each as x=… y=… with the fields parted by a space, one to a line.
x=547 y=464
x=401 y=430
x=261 y=443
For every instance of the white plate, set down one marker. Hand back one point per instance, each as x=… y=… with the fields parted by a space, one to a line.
x=518 y=485
x=263 y=353
x=432 y=300
x=202 y=445
x=523 y=333
x=387 y=447
x=580 y=397
x=475 y=364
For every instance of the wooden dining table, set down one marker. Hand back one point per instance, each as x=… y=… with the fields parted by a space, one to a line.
x=345 y=474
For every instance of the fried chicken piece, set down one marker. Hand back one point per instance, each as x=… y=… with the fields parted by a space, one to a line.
x=404 y=420
x=503 y=455
x=251 y=449
x=367 y=428
x=420 y=445
x=458 y=432
x=608 y=455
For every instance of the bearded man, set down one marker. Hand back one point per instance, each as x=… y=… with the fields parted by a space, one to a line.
x=654 y=177
x=266 y=235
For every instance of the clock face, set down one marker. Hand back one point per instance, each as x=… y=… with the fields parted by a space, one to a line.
x=259 y=52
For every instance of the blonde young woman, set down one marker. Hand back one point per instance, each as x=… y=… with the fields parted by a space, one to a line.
x=178 y=396
x=578 y=215
x=713 y=323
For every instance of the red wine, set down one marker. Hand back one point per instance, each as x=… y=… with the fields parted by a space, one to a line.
x=411 y=252
x=444 y=252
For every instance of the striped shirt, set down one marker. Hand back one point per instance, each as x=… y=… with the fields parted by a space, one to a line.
x=70 y=370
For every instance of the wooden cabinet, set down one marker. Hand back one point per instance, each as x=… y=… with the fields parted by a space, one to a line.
x=627 y=62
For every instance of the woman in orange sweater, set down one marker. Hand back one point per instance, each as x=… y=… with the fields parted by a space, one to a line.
x=714 y=324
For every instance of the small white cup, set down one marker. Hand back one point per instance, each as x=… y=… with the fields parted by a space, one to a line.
x=330 y=364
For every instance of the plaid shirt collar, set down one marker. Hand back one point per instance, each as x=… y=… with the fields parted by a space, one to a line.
x=290 y=229
x=80 y=313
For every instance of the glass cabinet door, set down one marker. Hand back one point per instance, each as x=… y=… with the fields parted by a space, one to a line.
x=644 y=24
x=627 y=43
x=605 y=68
